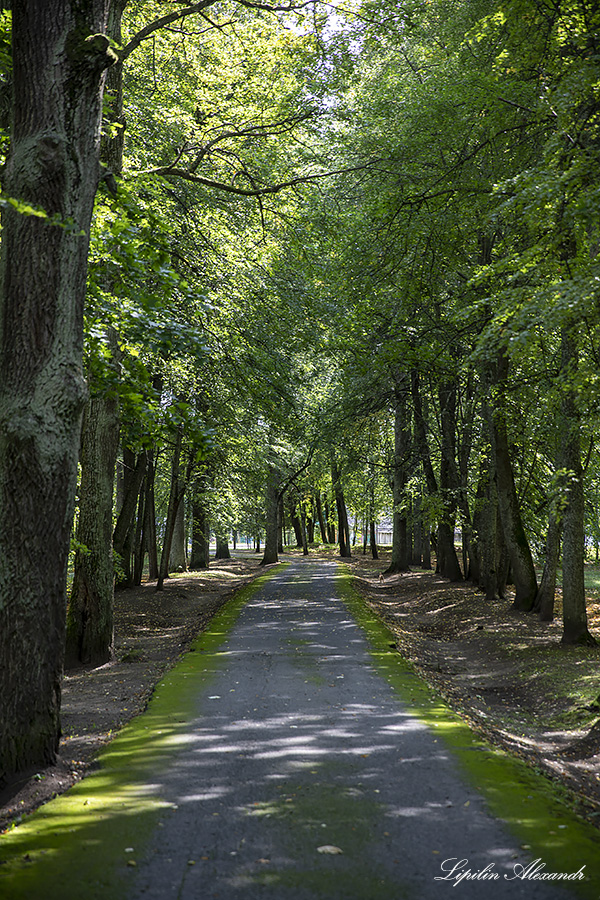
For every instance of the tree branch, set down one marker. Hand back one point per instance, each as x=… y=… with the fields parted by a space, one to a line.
x=173 y=171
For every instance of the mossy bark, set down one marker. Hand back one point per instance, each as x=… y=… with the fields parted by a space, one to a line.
x=59 y=62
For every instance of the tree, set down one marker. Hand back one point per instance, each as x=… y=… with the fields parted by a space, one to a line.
x=60 y=54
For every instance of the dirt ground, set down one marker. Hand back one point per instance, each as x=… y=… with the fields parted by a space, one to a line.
x=504 y=672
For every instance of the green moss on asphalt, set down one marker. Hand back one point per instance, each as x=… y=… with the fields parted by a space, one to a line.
x=84 y=844
x=526 y=801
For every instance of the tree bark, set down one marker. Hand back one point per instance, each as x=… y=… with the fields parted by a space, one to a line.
x=400 y=553
x=575 y=628
x=222 y=548
x=321 y=518
x=58 y=75
x=447 y=561
x=280 y=524
x=134 y=471
x=150 y=520
x=521 y=561
x=330 y=524
x=178 y=558
x=485 y=521
x=200 y=556
x=270 y=554
x=545 y=597
x=139 y=542
x=89 y=637
x=342 y=514
x=296 y=523
x=176 y=492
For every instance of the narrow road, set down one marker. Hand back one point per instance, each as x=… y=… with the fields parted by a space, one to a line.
x=303 y=776
x=277 y=761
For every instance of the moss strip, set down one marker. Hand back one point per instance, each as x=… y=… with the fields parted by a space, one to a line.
x=85 y=843
x=528 y=803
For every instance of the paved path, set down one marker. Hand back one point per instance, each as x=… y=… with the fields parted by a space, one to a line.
x=301 y=747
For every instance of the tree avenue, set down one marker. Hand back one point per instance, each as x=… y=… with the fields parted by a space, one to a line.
x=272 y=273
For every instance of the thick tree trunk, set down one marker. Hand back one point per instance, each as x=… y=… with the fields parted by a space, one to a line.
x=90 y=614
x=521 y=561
x=222 y=548
x=270 y=554
x=58 y=72
x=89 y=636
x=575 y=627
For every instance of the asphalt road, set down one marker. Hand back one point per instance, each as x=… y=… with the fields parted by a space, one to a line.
x=303 y=776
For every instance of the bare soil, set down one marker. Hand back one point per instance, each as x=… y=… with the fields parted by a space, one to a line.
x=504 y=672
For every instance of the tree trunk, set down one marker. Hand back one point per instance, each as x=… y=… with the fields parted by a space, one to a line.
x=447 y=561
x=373 y=539
x=544 y=601
x=426 y=546
x=89 y=637
x=175 y=498
x=222 y=548
x=449 y=484
x=296 y=524
x=485 y=520
x=342 y=514
x=178 y=557
x=575 y=628
x=58 y=76
x=303 y=528
x=321 y=518
x=280 y=524
x=150 y=520
x=90 y=612
x=330 y=524
x=270 y=554
x=139 y=543
x=200 y=556
x=417 y=553
x=521 y=561
x=134 y=471
x=400 y=553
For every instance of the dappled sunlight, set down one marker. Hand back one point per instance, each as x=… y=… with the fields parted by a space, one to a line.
x=268 y=749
